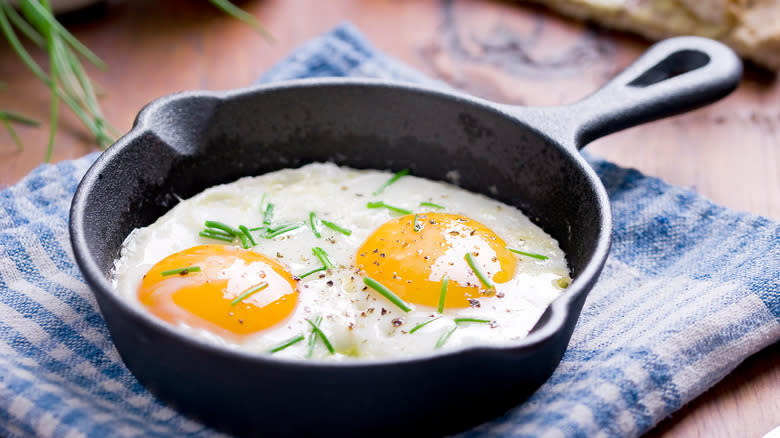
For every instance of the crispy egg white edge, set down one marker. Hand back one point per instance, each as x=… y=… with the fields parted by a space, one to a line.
x=357 y=322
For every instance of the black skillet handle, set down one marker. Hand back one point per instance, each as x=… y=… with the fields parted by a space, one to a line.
x=673 y=76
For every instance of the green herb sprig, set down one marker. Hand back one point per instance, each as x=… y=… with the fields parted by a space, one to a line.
x=67 y=79
x=431 y=204
x=317 y=332
x=273 y=232
x=475 y=267
x=323 y=256
x=443 y=293
x=469 y=319
x=248 y=293
x=381 y=204
x=417 y=226
x=423 y=324
x=387 y=293
x=443 y=339
x=180 y=271
x=292 y=341
x=390 y=181
x=336 y=228
x=268 y=214
x=221 y=231
x=528 y=254
x=312 y=338
x=314 y=223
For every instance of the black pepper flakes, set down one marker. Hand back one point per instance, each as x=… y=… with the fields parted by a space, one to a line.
x=398 y=322
x=329 y=283
x=384 y=311
x=474 y=302
x=500 y=294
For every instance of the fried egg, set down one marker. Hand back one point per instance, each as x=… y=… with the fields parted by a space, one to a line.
x=331 y=263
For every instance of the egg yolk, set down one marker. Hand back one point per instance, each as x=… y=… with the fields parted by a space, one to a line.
x=228 y=291
x=413 y=262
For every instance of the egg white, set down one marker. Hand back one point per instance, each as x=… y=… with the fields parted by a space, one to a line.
x=358 y=321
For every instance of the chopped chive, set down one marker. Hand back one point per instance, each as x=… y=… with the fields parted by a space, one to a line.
x=321 y=268
x=244 y=241
x=431 y=204
x=444 y=337
x=313 y=338
x=262 y=227
x=443 y=294
x=528 y=254
x=312 y=341
x=268 y=214
x=224 y=227
x=392 y=179
x=218 y=232
x=479 y=320
x=481 y=275
x=281 y=230
x=387 y=293
x=218 y=236
x=313 y=222
x=287 y=343
x=323 y=256
x=381 y=204
x=335 y=227
x=262 y=201
x=180 y=271
x=249 y=292
x=417 y=226
x=246 y=232
x=423 y=324
x=316 y=328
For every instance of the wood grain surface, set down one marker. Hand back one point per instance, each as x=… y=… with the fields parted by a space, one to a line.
x=505 y=51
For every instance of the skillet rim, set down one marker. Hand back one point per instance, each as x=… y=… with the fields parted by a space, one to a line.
x=564 y=309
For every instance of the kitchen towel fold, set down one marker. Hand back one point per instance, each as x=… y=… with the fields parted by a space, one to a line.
x=689 y=291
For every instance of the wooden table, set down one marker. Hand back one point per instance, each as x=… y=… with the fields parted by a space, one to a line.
x=505 y=51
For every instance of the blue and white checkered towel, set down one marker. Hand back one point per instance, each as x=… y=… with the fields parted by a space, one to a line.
x=689 y=291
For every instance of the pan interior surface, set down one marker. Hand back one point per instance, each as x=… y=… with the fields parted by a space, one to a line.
x=187 y=143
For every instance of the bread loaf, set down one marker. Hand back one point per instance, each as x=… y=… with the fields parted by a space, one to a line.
x=750 y=27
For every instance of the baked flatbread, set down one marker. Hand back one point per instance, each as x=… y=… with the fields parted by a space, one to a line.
x=750 y=27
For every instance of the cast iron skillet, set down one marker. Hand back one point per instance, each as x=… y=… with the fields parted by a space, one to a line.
x=526 y=157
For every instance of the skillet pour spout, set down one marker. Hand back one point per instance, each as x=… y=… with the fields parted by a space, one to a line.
x=526 y=157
